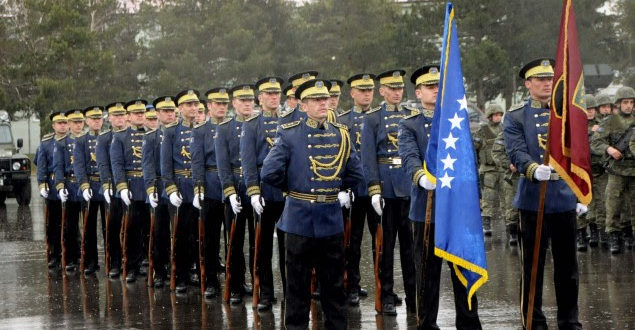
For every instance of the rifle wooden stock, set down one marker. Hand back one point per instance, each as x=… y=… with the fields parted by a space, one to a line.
x=228 y=273
x=201 y=248
x=172 y=252
x=63 y=229
x=256 y=291
x=150 y=247
x=124 y=224
x=106 y=243
x=82 y=263
x=379 y=238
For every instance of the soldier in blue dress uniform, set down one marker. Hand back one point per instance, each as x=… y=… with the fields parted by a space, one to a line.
x=387 y=179
x=525 y=128
x=117 y=118
x=150 y=159
x=362 y=89
x=176 y=172
x=228 y=160
x=313 y=161
x=414 y=132
x=68 y=187
x=87 y=174
x=208 y=192
x=125 y=160
x=46 y=183
x=258 y=135
x=334 y=99
x=290 y=102
x=295 y=81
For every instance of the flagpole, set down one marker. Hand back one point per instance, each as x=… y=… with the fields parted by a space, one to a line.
x=536 y=252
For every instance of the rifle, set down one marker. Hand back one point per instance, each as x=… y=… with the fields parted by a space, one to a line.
x=175 y=225
x=124 y=234
x=228 y=273
x=256 y=291
x=379 y=238
x=201 y=244
x=621 y=145
x=151 y=243
x=106 y=243
x=82 y=262
x=347 y=236
x=46 y=230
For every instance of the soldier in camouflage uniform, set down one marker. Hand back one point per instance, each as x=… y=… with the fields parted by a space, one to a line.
x=492 y=176
x=510 y=179
x=603 y=103
x=612 y=139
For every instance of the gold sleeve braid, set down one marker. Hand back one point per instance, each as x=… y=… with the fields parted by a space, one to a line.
x=342 y=155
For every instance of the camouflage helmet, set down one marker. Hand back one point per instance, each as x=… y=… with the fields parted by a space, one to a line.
x=492 y=109
x=624 y=93
x=589 y=99
x=602 y=99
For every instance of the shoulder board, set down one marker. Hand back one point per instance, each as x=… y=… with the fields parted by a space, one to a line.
x=119 y=130
x=252 y=117
x=48 y=136
x=516 y=107
x=413 y=114
x=151 y=131
x=373 y=110
x=291 y=124
x=287 y=113
x=172 y=124
x=340 y=125
x=344 y=113
x=104 y=132
x=225 y=121
x=81 y=135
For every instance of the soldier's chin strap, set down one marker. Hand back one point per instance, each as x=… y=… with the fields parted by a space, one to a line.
x=342 y=154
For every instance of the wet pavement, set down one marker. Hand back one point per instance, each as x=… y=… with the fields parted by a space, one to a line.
x=32 y=298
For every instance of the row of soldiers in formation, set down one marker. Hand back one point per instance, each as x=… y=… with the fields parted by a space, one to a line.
x=609 y=219
x=299 y=172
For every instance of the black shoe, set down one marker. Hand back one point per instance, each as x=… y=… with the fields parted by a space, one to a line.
x=627 y=235
x=194 y=279
x=389 y=309
x=54 y=263
x=363 y=292
x=487 y=226
x=89 y=270
x=247 y=289
x=512 y=235
x=181 y=287
x=353 y=298
x=264 y=305
x=593 y=235
x=581 y=240
x=71 y=267
x=211 y=292
x=236 y=298
x=114 y=272
x=131 y=277
x=145 y=262
x=614 y=242
x=159 y=280
x=398 y=300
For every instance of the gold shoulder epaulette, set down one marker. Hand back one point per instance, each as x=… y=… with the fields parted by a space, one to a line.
x=340 y=125
x=252 y=117
x=172 y=124
x=373 y=110
x=291 y=124
x=48 y=136
x=226 y=121
x=104 y=132
x=287 y=113
x=151 y=131
x=344 y=113
x=413 y=114
x=516 y=107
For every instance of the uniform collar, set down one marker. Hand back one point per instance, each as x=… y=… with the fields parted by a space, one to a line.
x=390 y=107
x=60 y=136
x=240 y=118
x=358 y=109
x=427 y=113
x=267 y=113
x=216 y=121
x=315 y=124
x=537 y=104
x=136 y=128
x=186 y=123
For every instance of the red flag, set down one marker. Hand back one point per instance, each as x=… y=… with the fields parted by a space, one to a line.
x=569 y=151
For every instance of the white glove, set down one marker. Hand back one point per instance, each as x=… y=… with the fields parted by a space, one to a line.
x=44 y=192
x=581 y=209
x=426 y=184
x=125 y=196
x=108 y=195
x=255 y=203
x=154 y=200
x=344 y=198
x=197 y=201
x=375 y=201
x=175 y=199
x=236 y=207
x=87 y=194
x=542 y=173
x=63 y=195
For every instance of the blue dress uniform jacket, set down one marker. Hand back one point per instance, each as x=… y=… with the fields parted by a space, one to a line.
x=292 y=116
x=102 y=150
x=176 y=160
x=85 y=165
x=46 y=165
x=227 y=144
x=414 y=133
x=63 y=159
x=204 y=168
x=380 y=152
x=125 y=160
x=353 y=120
x=258 y=136
x=311 y=207
x=525 y=128
x=150 y=158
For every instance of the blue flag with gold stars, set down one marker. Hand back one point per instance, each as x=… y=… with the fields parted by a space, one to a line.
x=450 y=163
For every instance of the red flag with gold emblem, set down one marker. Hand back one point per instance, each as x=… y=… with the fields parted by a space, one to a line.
x=569 y=151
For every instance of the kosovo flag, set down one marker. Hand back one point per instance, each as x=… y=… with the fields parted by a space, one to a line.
x=450 y=163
